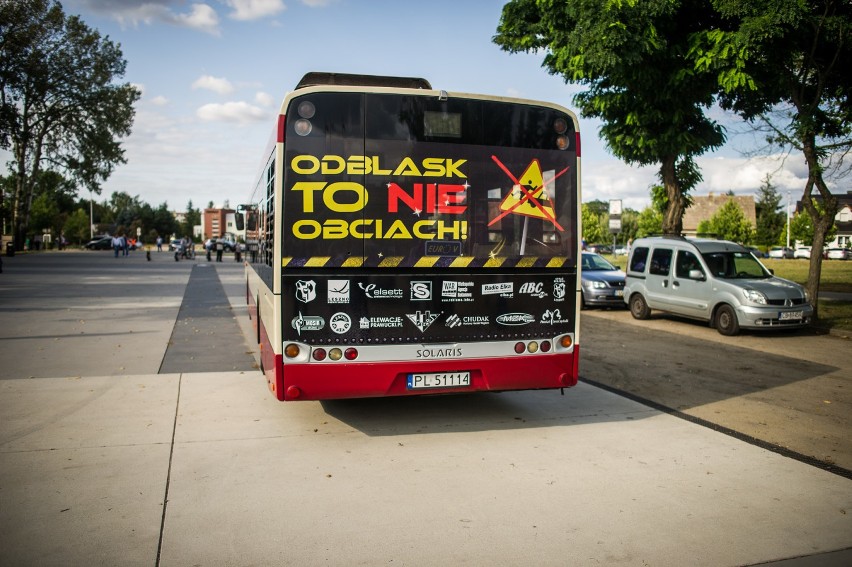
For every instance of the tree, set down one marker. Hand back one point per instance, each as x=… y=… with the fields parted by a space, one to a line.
x=802 y=230
x=76 y=228
x=60 y=106
x=771 y=221
x=593 y=228
x=729 y=223
x=193 y=218
x=632 y=56
x=783 y=66
x=649 y=222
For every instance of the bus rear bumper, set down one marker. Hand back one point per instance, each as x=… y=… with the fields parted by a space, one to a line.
x=364 y=380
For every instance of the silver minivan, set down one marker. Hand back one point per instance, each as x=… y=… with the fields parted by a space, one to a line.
x=712 y=280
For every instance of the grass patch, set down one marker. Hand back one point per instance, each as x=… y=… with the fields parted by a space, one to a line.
x=836 y=275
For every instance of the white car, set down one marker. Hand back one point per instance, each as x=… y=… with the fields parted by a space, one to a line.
x=838 y=254
x=780 y=252
x=802 y=252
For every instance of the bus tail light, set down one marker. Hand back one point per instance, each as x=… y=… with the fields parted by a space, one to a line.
x=545 y=346
x=319 y=354
x=351 y=353
x=293 y=392
x=520 y=348
x=567 y=341
x=335 y=354
x=291 y=350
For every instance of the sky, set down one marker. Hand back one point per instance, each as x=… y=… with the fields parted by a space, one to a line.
x=213 y=74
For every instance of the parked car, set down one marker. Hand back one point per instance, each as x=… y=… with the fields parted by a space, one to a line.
x=102 y=242
x=599 y=248
x=838 y=254
x=602 y=283
x=174 y=245
x=780 y=252
x=802 y=252
x=711 y=280
x=756 y=252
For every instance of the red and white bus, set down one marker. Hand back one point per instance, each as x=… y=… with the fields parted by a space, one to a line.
x=404 y=240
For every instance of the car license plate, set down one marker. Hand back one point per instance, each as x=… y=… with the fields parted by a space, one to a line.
x=619 y=293
x=438 y=380
x=791 y=315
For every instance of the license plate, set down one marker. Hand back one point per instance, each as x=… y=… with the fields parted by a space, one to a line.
x=791 y=315
x=619 y=293
x=438 y=380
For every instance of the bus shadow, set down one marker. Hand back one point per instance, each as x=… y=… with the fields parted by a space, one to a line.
x=484 y=411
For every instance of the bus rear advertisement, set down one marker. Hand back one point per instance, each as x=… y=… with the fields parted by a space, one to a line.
x=406 y=240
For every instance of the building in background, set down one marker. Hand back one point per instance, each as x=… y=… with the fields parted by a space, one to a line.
x=704 y=208
x=843 y=220
x=216 y=222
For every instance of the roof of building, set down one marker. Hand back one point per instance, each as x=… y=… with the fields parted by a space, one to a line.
x=704 y=208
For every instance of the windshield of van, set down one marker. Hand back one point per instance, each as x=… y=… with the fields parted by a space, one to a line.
x=735 y=265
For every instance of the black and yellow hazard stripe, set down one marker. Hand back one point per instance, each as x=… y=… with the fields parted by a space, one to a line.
x=384 y=262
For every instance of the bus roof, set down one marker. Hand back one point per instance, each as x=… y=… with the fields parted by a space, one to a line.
x=345 y=79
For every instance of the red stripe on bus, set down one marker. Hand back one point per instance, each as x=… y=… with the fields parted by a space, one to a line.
x=282 y=122
x=336 y=381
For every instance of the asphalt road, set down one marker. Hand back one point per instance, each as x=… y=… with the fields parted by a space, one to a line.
x=114 y=450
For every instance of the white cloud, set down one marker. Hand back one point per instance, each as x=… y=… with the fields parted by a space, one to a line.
x=264 y=99
x=317 y=3
x=254 y=9
x=240 y=112
x=216 y=84
x=201 y=17
x=159 y=101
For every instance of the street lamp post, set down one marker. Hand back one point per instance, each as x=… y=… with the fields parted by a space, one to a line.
x=788 y=219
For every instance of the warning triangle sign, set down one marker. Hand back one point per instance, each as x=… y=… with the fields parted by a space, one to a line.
x=528 y=197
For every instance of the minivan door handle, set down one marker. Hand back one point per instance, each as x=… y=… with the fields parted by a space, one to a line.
x=665 y=283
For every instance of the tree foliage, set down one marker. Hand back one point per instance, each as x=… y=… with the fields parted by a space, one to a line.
x=783 y=65
x=632 y=58
x=61 y=108
x=771 y=221
x=729 y=223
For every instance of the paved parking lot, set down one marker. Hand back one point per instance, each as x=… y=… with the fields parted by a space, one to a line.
x=105 y=460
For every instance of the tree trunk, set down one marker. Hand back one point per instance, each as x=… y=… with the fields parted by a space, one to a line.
x=822 y=219
x=673 y=217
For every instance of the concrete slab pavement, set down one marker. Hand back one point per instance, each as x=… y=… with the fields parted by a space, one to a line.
x=519 y=479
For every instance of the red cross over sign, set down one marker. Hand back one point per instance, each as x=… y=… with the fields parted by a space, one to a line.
x=529 y=196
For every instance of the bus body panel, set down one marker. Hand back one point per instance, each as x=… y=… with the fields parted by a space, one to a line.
x=348 y=380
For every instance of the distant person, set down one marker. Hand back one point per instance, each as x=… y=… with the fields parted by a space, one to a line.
x=116 y=244
x=220 y=247
x=159 y=244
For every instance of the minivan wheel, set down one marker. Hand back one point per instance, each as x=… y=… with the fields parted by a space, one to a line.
x=726 y=321
x=638 y=307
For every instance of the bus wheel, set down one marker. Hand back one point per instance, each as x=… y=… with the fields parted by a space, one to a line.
x=638 y=307
x=726 y=321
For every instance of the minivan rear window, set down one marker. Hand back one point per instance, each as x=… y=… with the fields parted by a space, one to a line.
x=639 y=259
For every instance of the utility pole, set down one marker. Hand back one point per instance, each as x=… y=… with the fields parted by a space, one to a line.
x=788 y=219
